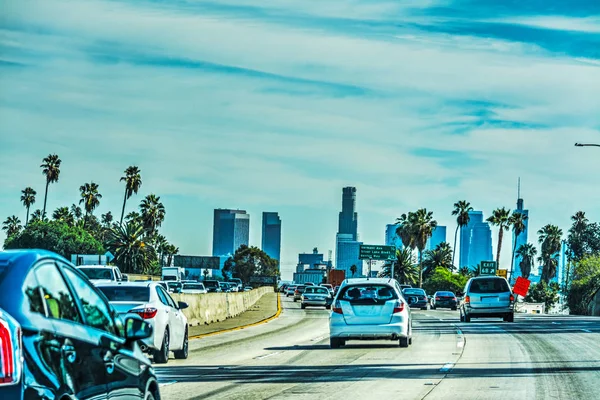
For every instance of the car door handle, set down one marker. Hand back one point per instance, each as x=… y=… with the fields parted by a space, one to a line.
x=109 y=362
x=69 y=353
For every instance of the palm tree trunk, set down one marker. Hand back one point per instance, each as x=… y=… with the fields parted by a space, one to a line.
x=500 y=234
x=455 y=238
x=123 y=210
x=45 y=198
x=512 y=261
x=420 y=268
x=27 y=217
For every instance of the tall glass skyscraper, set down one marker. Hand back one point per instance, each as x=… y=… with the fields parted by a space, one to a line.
x=231 y=229
x=438 y=236
x=391 y=238
x=520 y=240
x=271 y=235
x=348 y=218
x=475 y=241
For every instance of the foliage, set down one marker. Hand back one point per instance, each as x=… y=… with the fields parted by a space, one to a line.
x=353 y=269
x=543 y=293
x=585 y=283
x=28 y=199
x=517 y=221
x=90 y=197
x=461 y=212
x=526 y=253
x=55 y=236
x=63 y=214
x=500 y=218
x=51 y=170
x=550 y=240
x=404 y=232
x=441 y=256
x=132 y=253
x=250 y=261
x=446 y=280
x=416 y=228
x=133 y=182
x=406 y=271
x=583 y=238
x=465 y=271
x=152 y=212
x=12 y=226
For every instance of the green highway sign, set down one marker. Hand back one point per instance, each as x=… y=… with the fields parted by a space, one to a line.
x=488 y=268
x=373 y=252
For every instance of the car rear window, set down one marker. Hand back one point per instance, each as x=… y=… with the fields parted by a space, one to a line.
x=445 y=294
x=367 y=294
x=192 y=286
x=414 y=291
x=126 y=293
x=316 y=290
x=211 y=284
x=489 y=285
x=97 y=273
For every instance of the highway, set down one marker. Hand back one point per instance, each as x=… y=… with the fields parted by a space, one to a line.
x=537 y=357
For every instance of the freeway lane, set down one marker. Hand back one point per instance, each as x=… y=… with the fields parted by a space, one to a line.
x=536 y=357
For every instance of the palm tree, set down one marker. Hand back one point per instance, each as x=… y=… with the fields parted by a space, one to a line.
x=63 y=214
x=37 y=216
x=517 y=221
x=107 y=220
x=132 y=253
x=153 y=213
x=171 y=251
x=76 y=211
x=133 y=182
x=12 y=226
x=90 y=197
x=526 y=253
x=550 y=238
x=51 y=169
x=465 y=271
x=577 y=245
x=441 y=256
x=422 y=225
x=580 y=221
x=405 y=270
x=461 y=211
x=404 y=231
x=28 y=199
x=353 y=269
x=160 y=243
x=500 y=218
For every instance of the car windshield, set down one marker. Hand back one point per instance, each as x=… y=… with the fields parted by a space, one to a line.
x=445 y=294
x=489 y=285
x=211 y=284
x=174 y=284
x=316 y=290
x=367 y=294
x=97 y=273
x=126 y=293
x=192 y=286
x=414 y=291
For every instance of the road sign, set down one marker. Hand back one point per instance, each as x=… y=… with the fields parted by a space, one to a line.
x=521 y=286
x=502 y=272
x=371 y=252
x=488 y=268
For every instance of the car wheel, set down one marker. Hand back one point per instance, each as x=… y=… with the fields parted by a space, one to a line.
x=453 y=308
x=149 y=396
x=328 y=307
x=404 y=342
x=335 y=343
x=302 y=306
x=424 y=308
x=410 y=340
x=510 y=318
x=433 y=307
x=295 y=300
x=161 y=356
x=467 y=318
x=183 y=353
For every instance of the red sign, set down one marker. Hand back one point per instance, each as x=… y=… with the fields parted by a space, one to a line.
x=521 y=286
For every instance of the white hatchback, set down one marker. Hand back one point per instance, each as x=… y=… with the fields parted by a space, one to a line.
x=370 y=309
x=152 y=302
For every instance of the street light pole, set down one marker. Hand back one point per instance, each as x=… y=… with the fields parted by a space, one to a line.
x=586 y=145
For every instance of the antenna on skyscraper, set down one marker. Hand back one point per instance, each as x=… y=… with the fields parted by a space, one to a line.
x=329 y=253
x=519 y=189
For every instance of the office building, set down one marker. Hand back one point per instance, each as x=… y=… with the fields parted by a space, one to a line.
x=231 y=229
x=475 y=241
x=348 y=218
x=522 y=238
x=314 y=260
x=391 y=238
x=271 y=235
x=347 y=254
x=438 y=236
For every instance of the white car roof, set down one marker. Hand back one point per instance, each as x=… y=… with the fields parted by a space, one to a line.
x=95 y=266
x=358 y=281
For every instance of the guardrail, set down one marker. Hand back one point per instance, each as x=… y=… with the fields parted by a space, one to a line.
x=530 y=308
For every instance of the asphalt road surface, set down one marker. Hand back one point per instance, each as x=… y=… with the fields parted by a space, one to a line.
x=537 y=357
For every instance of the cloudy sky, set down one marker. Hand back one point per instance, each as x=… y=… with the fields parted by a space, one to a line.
x=276 y=105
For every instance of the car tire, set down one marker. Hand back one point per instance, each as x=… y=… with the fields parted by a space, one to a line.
x=161 y=356
x=404 y=342
x=510 y=318
x=424 y=308
x=467 y=318
x=295 y=300
x=433 y=307
x=302 y=306
x=183 y=353
x=410 y=340
x=328 y=307
x=149 y=396
x=453 y=308
x=335 y=343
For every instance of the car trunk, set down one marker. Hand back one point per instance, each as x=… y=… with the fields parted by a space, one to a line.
x=315 y=296
x=490 y=300
x=367 y=312
x=123 y=307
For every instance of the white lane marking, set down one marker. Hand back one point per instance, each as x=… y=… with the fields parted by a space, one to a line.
x=460 y=344
x=556 y=323
x=447 y=367
x=267 y=355
x=318 y=339
x=587 y=330
x=167 y=383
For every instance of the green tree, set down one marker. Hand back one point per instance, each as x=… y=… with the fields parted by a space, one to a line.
x=442 y=279
x=585 y=284
x=441 y=256
x=543 y=293
x=107 y=220
x=153 y=213
x=90 y=197
x=526 y=253
x=170 y=251
x=77 y=212
x=37 y=216
x=51 y=170
x=584 y=238
x=461 y=211
x=353 y=269
x=518 y=223
x=500 y=218
x=406 y=271
x=465 y=271
x=422 y=225
x=132 y=253
x=28 y=199
x=550 y=237
x=133 y=182
x=405 y=231
x=12 y=226
x=250 y=261
x=63 y=214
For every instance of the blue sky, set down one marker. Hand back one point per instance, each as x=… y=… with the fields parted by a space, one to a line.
x=275 y=106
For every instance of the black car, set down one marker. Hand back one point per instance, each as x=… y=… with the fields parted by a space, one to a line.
x=418 y=296
x=444 y=300
x=60 y=338
x=212 y=286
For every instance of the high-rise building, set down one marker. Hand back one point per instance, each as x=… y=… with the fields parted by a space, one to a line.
x=475 y=241
x=314 y=260
x=271 y=235
x=231 y=229
x=347 y=254
x=522 y=238
x=391 y=238
x=348 y=218
x=438 y=236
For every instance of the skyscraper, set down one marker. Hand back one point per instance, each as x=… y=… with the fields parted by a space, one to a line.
x=475 y=241
x=271 y=235
x=438 y=236
x=391 y=238
x=231 y=229
x=522 y=238
x=348 y=219
x=347 y=244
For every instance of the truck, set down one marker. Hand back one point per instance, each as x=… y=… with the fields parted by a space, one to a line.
x=309 y=276
x=103 y=273
x=336 y=277
x=173 y=274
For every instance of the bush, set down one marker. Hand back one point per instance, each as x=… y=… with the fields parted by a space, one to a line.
x=444 y=280
x=584 y=285
x=543 y=293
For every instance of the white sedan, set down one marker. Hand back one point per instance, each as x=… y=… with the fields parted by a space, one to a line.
x=152 y=302
x=370 y=309
x=193 y=288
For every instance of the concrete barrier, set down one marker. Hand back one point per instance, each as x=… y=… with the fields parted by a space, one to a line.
x=215 y=307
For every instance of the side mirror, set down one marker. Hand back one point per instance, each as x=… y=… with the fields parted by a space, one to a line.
x=182 y=305
x=124 y=278
x=137 y=329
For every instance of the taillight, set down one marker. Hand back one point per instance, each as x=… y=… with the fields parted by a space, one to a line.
x=437 y=298
x=398 y=307
x=10 y=350
x=337 y=308
x=296 y=292
x=512 y=298
x=467 y=299
x=145 y=313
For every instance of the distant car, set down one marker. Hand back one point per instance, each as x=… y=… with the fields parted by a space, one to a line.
x=328 y=286
x=212 y=286
x=60 y=338
x=248 y=288
x=418 y=295
x=360 y=315
x=487 y=296
x=309 y=284
x=233 y=286
x=103 y=273
x=336 y=290
x=444 y=300
x=316 y=296
x=193 y=288
x=174 y=286
x=238 y=282
x=290 y=290
x=298 y=292
x=225 y=287
x=152 y=302
x=283 y=288
x=402 y=287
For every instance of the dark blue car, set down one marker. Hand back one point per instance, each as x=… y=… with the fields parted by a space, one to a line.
x=60 y=338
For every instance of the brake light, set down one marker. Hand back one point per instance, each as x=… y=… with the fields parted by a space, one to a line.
x=145 y=313
x=337 y=308
x=467 y=299
x=398 y=307
x=512 y=298
x=437 y=298
x=10 y=350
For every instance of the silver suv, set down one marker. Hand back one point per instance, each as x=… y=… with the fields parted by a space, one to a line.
x=487 y=296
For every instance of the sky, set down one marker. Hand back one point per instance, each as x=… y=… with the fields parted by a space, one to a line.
x=275 y=106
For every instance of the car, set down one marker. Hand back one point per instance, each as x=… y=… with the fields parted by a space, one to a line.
x=290 y=290
x=328 y=286
x=212 y=286
x=248 y=288
x=309 y=284
x=193 y=288
x=402 y=287
x=336 y=290
x=174 y=286
x=370 y=309
x=487 y=296
x=233 y=286
x=283 y=288
x=103 y=273
x=444 y=300
x=238 y=282
x=225 y=287
x=298 y=292
x=154 y=304
x=316 y=296
x=419 y=296
x=61 y=339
